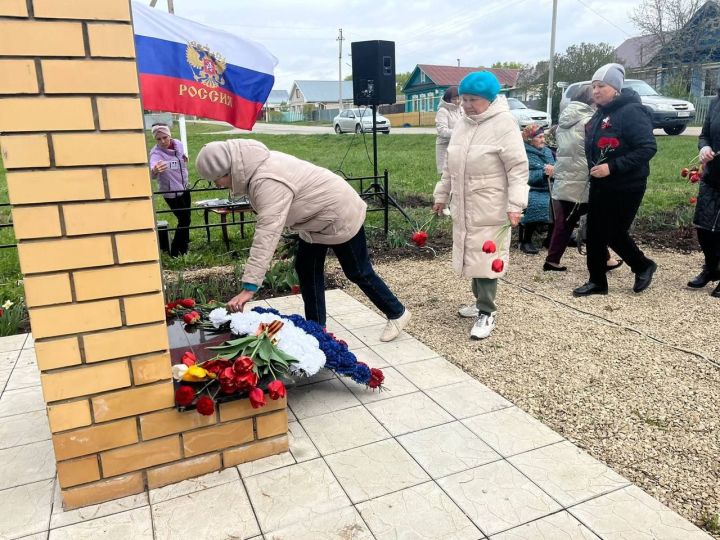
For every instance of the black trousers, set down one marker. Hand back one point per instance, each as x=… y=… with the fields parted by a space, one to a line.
x=710 y=245
x=180 y=207
x=355 y=263
x=610 y=215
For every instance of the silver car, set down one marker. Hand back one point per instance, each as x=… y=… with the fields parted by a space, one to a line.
x=360 y=121
x=525 y=116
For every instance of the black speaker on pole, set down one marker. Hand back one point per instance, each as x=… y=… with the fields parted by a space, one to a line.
x=373 y=72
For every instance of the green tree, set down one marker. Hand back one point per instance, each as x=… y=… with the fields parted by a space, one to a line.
x=400 y=80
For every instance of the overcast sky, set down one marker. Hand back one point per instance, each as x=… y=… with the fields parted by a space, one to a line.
x=303 y=35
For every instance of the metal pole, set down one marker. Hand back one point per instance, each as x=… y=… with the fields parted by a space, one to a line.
x=375 y=167
x=551 y=67
x=340 y=80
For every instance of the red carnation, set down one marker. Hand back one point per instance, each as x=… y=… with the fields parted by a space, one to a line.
x=243 y=364
x=188 y=303
x=276 y=390
x=376 y=378
x=171 y=305
x=489 y=247
x=498 y=265
x=184 y=396
x=608 y=142
x=246 y=381
x=693 y=200
x=295 y=289
x=189 y=358
x=694 y=178
x=191 y=318
x=419 y=238
x=257 y=398
x=205 y=406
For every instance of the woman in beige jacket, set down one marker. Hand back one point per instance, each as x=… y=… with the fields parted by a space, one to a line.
x=486 y=177
x=320 y=206
x=448 y=114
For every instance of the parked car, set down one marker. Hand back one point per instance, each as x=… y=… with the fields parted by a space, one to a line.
x=670 y=114
x=525 y=116
x=360 y=121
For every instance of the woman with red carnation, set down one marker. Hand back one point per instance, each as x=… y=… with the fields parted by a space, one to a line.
x=619 y=169
x=707 y=211
x=486 y=175
x=319 y=205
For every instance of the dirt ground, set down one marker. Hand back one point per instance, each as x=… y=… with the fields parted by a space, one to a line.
x=633 y=379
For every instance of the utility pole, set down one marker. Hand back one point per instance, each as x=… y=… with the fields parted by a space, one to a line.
x=340 y=39
x=551 y=67
x=458 y=62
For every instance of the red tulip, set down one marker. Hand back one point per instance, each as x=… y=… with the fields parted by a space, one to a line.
x=243 y=365
x=246 y=381
x=498 y=265
x=489 y=247
x=295 y=289
x=693 y=200
x=276 y=390
x=694 y=178
x=205 y=406
x=257 y=398
x=684 y=172
x=188 y=303
x=189 y=358
x=191 y=318
x=419 y=238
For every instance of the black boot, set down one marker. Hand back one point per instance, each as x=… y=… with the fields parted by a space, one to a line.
x=716 y=292
x=526 y=245
x=702 y=279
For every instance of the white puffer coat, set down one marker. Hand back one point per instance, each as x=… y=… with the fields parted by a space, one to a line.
x=486 y=176
x=448 y=114
x=571 y=169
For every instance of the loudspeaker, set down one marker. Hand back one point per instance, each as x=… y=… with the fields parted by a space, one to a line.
x=373 y=72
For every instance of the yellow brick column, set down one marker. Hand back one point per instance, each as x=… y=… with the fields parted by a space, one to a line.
x=74 y=147
x=73 y=143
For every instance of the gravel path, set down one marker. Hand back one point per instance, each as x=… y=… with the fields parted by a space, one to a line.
x=633 y=379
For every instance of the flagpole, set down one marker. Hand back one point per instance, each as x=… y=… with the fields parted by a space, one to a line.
x=181 y=118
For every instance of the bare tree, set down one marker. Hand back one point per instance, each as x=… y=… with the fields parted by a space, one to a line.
x=663 y=18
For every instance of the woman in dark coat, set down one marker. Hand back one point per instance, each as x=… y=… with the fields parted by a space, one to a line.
x=707 y=212
x=619 y=145
x=541 y=164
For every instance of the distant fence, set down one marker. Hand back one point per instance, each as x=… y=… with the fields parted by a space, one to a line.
x=414 y=119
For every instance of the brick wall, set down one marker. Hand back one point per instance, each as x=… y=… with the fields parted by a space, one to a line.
x=73 y=145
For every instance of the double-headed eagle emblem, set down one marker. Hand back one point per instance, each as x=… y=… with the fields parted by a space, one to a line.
x=207 y=67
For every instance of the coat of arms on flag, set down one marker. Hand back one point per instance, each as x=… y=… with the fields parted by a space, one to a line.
x=208 y=67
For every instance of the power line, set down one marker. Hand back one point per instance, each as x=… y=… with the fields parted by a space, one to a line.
x=603 y=17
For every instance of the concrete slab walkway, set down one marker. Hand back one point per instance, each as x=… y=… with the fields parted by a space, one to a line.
x=436 y=456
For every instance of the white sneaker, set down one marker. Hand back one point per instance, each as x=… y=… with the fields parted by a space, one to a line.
x=483 y=327
x=469 y=312
x=395 y=326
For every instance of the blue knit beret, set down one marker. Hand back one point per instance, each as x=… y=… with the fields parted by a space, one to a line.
x=480 y=83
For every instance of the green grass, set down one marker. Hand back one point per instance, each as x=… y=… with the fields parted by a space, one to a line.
x=410 y=160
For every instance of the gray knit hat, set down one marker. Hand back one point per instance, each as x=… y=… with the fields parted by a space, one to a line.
x=612 y=75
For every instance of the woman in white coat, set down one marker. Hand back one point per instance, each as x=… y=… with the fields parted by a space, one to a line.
x=486 y=177
x=448 y=114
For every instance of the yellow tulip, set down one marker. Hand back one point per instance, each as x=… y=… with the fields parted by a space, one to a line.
x=195 y=374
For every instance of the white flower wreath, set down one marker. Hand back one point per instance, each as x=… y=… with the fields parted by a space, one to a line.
x=291 y=339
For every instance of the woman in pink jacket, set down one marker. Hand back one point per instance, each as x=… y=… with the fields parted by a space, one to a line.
x=319 y=205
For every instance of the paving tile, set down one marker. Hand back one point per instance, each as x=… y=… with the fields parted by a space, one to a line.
x=360 y=319
x=218 y=512
x=23 y=377
x=301 y=447
x=342 y=430
x=12 y=343
x=29 y=342
x=447 y=449
x=420 y=512
x=433 y=373
x=21 y=401
x=27 y=357
x=497 y=497
x=269 y=463
x=370 y=357
x=394 y=385
x=135 y=524
x=561 y=526
x=343 y=524
x=37 y=536
x=344 y=306
x=568 y=474
x=287 y=305
x=289 y=495
x=321 y=398
x=63 y=518
x=193 y=485
x=411 y=412
x=396 y=352
x=23 y=429
x=370 y=335
x=25 y=464
x=375 y=470
x=511 y=431
x=320 y=376
x=25 y=510
x=632 y=514
x=468 y=398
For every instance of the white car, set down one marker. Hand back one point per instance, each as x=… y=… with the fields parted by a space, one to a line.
x=525 y=116
x=360 y=121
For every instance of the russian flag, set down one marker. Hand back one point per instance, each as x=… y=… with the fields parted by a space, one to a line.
x=193 y=69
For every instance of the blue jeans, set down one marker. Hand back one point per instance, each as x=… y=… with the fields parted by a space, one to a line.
x=355 y=263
